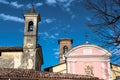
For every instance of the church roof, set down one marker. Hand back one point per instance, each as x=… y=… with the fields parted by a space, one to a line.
x=21 y=74
x=12 y=48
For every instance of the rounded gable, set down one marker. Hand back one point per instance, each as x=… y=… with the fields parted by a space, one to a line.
x=88 y=49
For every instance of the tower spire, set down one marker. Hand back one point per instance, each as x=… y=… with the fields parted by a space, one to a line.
x=32 y=10
x=32 y=3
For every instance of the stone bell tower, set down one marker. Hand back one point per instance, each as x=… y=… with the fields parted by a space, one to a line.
x=65 y=46
x=31 y=29
x=31 y=58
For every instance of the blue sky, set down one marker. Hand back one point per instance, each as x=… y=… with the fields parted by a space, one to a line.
x=59 y=19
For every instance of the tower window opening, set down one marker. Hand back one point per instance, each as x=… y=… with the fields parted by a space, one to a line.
x=30 y=26
x=65 y=49
x=0 y=53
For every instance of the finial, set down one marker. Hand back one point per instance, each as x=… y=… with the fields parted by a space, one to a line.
x=86 y=35
x=32 y=3
x=32 y=10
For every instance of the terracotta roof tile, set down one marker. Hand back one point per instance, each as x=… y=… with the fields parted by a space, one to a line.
x=32 y=74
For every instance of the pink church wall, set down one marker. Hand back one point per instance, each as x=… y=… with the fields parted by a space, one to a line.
x=78 y=63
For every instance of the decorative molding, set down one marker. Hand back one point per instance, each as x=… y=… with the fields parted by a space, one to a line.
x=88 y=60
x=87 y=46
x=68 y=70
x=83 y=55
x=103 y=71
x=73 y=64
x=109 y=72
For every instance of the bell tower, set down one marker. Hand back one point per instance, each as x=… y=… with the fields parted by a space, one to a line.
x=65 y=46
x=31 y=29
x=30 y=46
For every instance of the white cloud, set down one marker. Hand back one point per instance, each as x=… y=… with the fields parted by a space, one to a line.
x=38 y=4
x=68 y=3
x=62 y=0
x=11 y=18
x=64 y=4
x=16 y=5
x=56 y=34
x=28 y=5
x=50 y=2
x=52 y=36
x=56 y=49
x=4 y=2
x=116 y=51
x=44 y=34
x=88 y=18
x=68 y=9
x=48 y=20
x=56 y=55
x=61 y=3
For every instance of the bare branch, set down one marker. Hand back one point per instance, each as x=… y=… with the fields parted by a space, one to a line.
x=106 y=20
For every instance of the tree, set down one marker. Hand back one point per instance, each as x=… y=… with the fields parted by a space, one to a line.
x=106 y=20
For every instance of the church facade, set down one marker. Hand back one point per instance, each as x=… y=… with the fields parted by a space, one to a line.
x=89 y=59
x=29 y=56
x=86 y=59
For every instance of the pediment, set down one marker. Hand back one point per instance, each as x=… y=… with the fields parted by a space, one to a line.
x=85 y=50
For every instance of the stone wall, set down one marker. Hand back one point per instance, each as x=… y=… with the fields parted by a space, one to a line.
x=10 y=59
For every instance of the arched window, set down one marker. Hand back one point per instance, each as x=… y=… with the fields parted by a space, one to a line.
x=30 y=26
x=65 y=49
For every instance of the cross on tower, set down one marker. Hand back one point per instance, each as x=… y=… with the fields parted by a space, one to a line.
x=86 y=35
x=32 y=2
